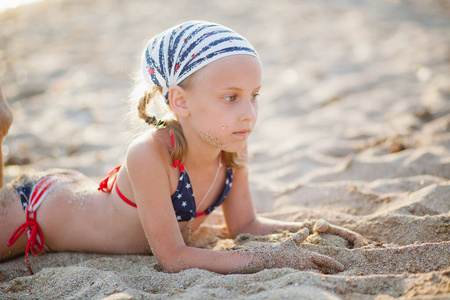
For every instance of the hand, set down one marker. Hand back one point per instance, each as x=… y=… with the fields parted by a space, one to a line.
x=321 y=226
x=289 y=254
x=355 y=239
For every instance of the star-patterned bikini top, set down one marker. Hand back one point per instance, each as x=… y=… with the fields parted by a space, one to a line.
x=183 y=199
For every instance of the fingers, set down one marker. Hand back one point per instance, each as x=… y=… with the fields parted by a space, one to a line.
x=298 y=238
x=358 y=240
x=326 y=263
x=323 y=226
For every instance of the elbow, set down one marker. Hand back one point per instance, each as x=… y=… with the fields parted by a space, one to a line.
x=172 y=263
x=234 y=232
x=168 y=268
x=249 y=228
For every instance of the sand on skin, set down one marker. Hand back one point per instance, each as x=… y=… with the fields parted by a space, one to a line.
x=353 y=127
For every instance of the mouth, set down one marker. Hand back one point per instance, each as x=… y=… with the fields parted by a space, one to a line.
x=242 y=133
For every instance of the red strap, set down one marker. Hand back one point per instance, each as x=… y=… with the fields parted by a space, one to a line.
x=125 y=199
x=201 y=214
x=104 y=187
x=104 y=183
x=176 y=163
x=172 y=139
x=33 y=242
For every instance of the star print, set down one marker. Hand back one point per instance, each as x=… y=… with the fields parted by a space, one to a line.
x=181 y=178
x=193 y=55
x=151 y=71
x=188 y=185
x=179 y=218
x=179 y=196
x=227 y=181
x=184 y=204
x=177 y=67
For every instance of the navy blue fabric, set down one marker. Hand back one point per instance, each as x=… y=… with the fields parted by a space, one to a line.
x=184 y=202
x=178 y=52
x=25 y=193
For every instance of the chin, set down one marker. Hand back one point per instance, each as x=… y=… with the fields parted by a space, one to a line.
x=234 y=147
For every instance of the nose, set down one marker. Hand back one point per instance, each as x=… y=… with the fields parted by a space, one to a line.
x=249 y=111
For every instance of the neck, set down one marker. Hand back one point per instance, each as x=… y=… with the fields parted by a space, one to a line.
x=200 y=153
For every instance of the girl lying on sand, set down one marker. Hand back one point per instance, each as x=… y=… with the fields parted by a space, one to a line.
x=210 y=78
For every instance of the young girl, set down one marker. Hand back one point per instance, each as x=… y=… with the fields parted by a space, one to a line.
x=173 y=175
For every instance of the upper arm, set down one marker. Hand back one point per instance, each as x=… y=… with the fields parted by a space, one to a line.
x=238 y=207
x=147 y=170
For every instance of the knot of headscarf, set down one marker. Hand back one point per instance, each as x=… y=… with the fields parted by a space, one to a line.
x=176 y=53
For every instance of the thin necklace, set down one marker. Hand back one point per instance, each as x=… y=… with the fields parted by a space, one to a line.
x=206 y=195
x=212 y=184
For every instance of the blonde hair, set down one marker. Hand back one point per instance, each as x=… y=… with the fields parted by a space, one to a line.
x=178 y=152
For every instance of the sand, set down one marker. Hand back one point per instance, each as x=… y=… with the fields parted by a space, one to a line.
x=353 y=128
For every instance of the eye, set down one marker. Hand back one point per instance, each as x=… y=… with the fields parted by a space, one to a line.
x=230 y=98
x=254 y=97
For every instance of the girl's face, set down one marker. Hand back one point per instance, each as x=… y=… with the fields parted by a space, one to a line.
x=222 y=101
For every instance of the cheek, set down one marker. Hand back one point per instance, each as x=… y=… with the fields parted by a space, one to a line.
x=255 y=109
x=213 y=138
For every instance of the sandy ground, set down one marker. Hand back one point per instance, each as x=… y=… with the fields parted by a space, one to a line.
x=353 y=127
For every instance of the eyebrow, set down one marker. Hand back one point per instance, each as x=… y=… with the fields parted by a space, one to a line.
x=239 y=89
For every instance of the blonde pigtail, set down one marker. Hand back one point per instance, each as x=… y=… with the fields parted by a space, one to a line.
x=180 y=148
x=142 y=107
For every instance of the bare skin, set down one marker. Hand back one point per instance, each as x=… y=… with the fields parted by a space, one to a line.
x=75 y=216
x=5 y=123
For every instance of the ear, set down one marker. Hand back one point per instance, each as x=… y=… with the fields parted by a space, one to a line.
x=177 y=101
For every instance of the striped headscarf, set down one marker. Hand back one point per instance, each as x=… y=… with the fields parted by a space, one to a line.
x=176 y=53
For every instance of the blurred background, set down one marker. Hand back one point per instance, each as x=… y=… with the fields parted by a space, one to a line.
x=341 y=79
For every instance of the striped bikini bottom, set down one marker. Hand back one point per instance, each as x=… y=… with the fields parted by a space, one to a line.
x=32 y=194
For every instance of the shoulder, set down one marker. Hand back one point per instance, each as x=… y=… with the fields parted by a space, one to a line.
x=151 y=148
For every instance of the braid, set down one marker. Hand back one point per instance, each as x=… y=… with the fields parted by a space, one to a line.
x=180 y=148
x=142 y=107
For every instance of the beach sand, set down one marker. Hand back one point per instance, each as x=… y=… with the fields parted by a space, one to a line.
x=353 y=127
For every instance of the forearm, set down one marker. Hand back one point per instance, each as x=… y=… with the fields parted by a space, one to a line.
x=254 y=259
x=261 y=226
x=223 y=262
